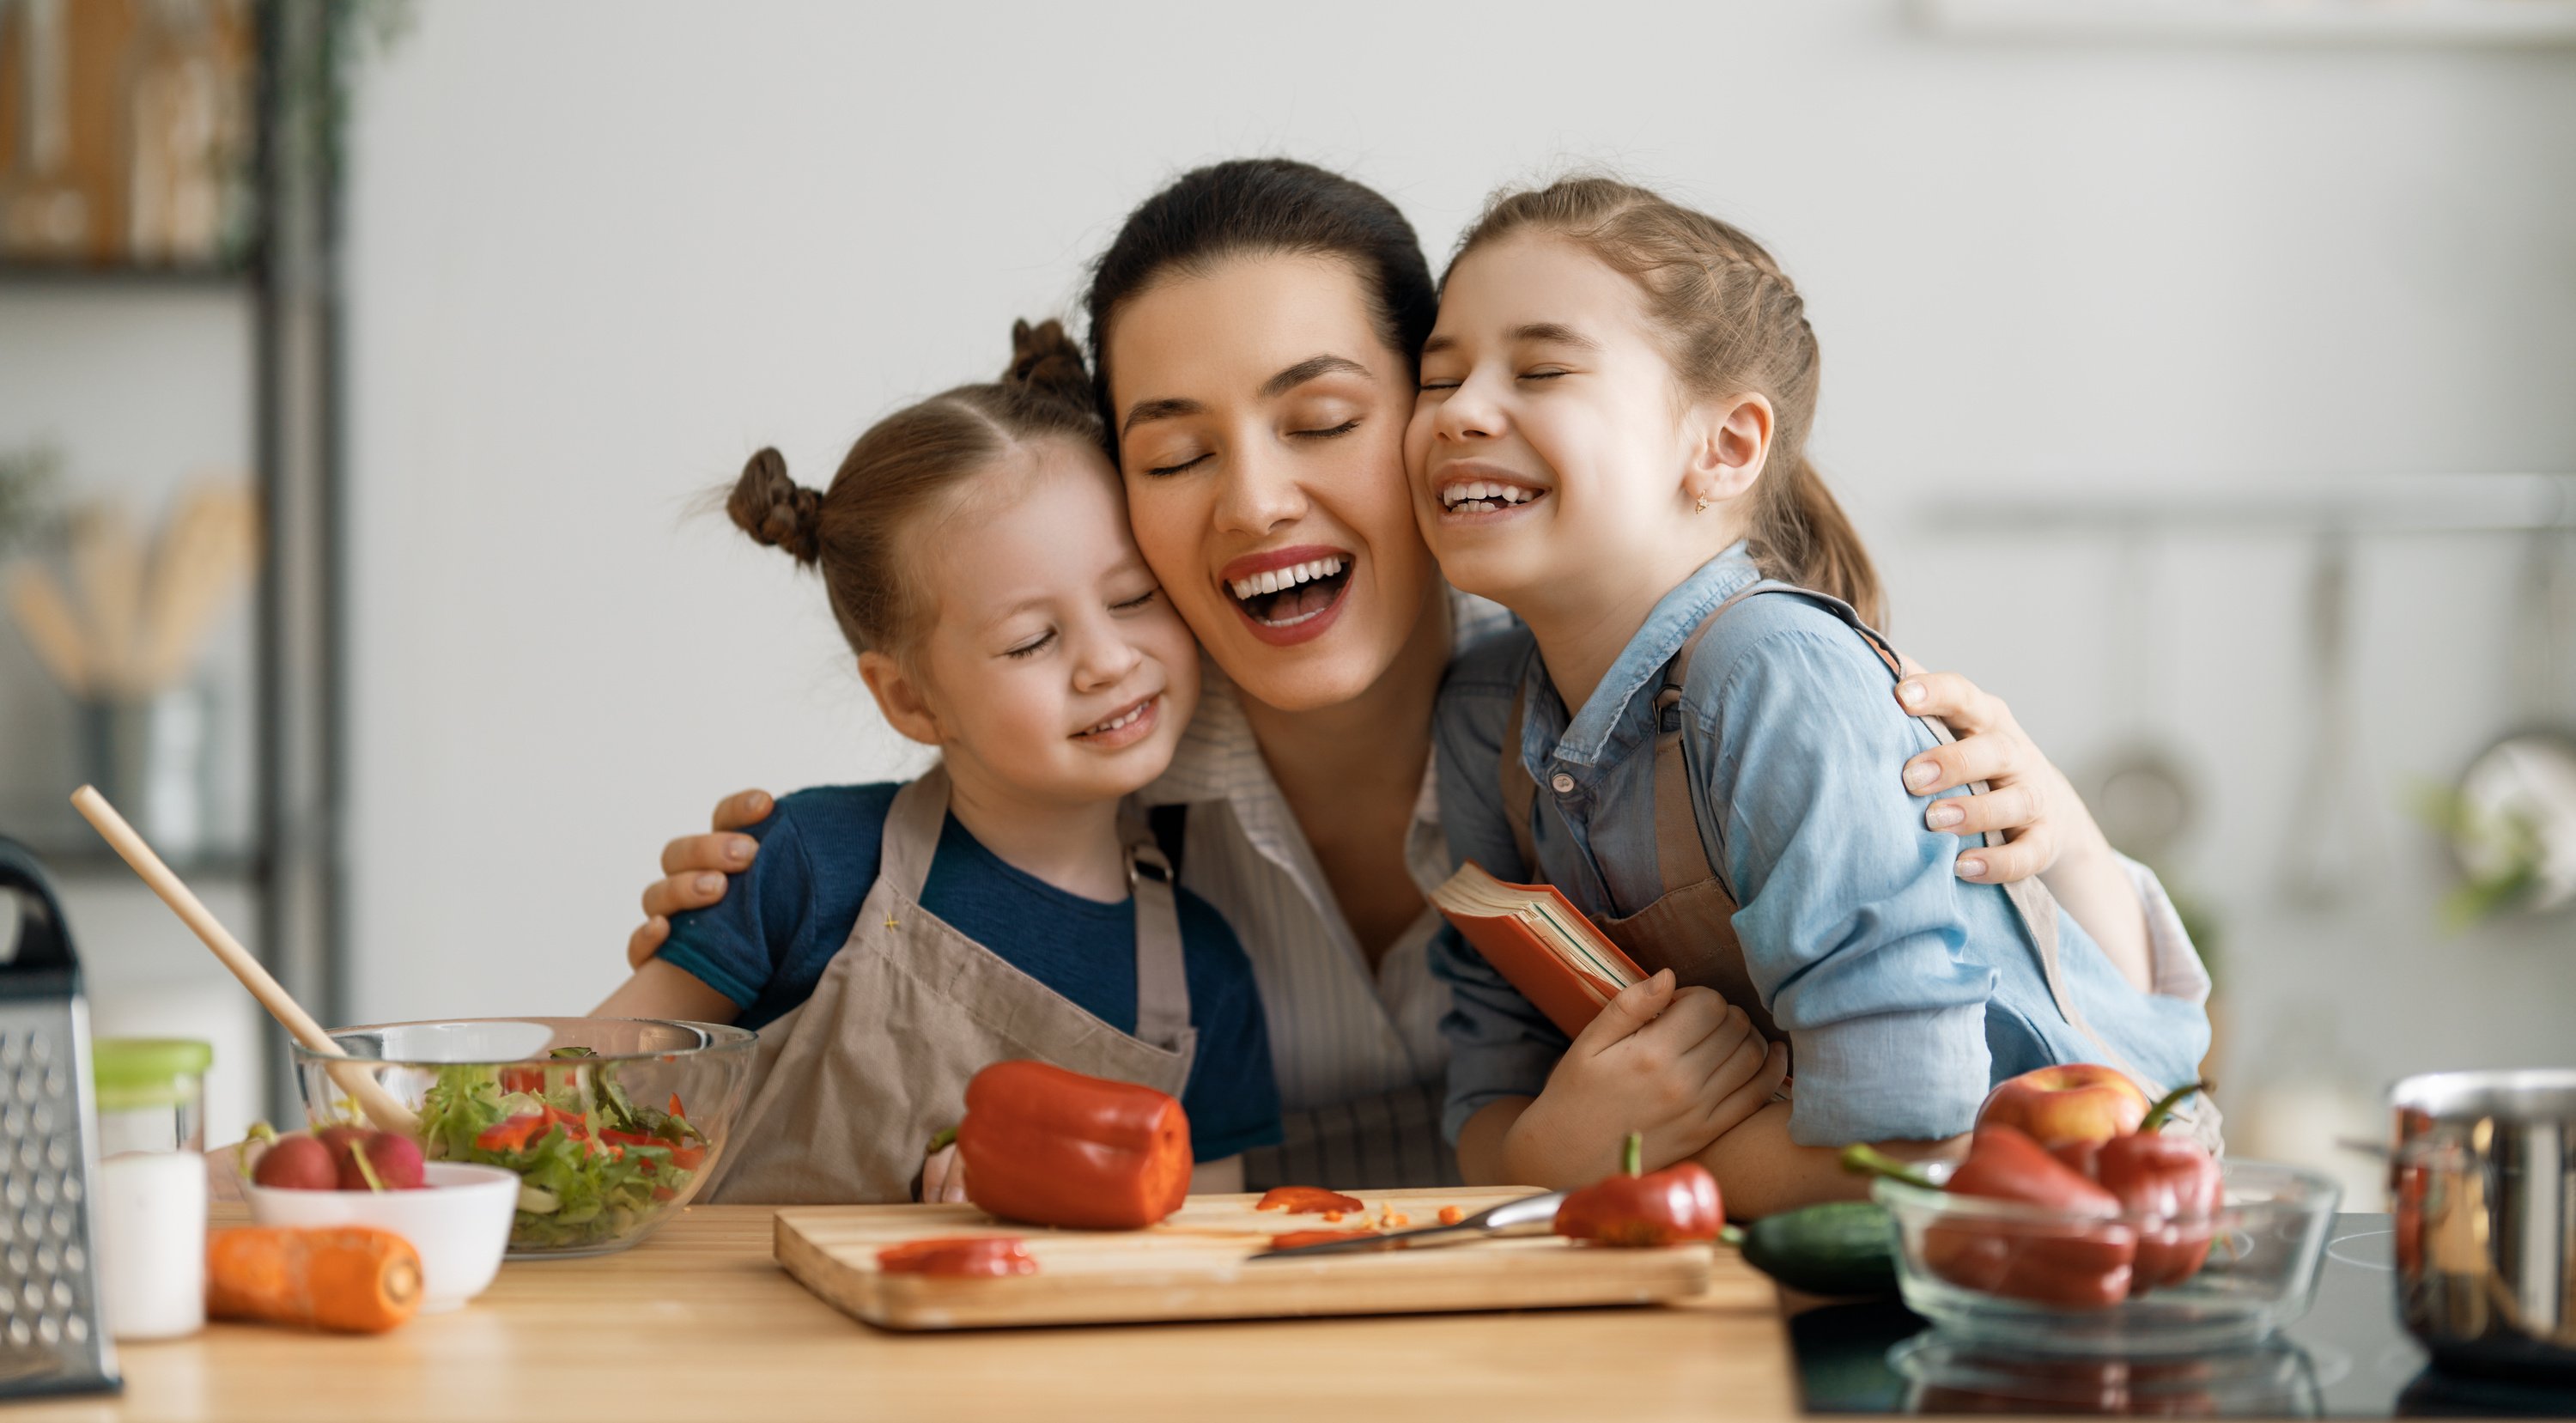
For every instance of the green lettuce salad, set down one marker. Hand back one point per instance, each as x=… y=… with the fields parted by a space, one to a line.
x=592 y=1165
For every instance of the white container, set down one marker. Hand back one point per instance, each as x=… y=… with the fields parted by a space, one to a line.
x=152 y=1243
x=151 y=1185
x=459 y=1222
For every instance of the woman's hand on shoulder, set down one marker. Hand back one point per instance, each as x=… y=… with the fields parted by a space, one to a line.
x=694 y=870
x=2027 y=797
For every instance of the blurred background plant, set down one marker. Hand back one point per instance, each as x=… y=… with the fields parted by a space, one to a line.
x=28 y=517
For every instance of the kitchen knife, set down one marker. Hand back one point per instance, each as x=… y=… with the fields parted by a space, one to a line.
x=1493 y=1220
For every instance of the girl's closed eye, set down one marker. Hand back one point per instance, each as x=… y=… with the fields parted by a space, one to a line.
x=1140 y=602
x=1032 y=646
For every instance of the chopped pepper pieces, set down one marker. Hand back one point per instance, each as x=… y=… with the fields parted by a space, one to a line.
x=959 y=1256
x=1306 y=1200
x=1294 y=1238
x=1053 y=1147
x=1679 y=1203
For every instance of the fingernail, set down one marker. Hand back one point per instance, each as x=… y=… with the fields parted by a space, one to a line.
x=1920 y=774
x=1912 y=692
x=1943 y=816
x=1970 y=867
x=739 y=852
x=710 y=884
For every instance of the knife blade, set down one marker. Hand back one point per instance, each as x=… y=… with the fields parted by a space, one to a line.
x=1493 y=1220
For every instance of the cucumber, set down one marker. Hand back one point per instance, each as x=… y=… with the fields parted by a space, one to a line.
x=1843 y=1248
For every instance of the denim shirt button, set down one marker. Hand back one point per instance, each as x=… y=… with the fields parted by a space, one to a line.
x=1563 y=783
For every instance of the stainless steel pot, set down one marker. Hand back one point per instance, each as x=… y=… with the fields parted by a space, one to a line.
x=2483 y=1185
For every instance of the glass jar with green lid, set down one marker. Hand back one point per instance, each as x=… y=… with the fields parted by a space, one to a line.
x=151 y=1094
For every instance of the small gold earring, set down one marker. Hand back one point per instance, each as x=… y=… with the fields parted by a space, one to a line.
x=1700 y=505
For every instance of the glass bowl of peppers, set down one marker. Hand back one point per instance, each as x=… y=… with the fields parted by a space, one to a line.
x=611 y=1124
x=2047 y=1261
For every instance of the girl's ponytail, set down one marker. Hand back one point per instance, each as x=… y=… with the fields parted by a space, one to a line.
x=1045 y=361
x=1802 y=534
x=775 y=510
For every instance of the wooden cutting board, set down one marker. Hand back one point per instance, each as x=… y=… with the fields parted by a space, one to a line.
x=1195 y=1266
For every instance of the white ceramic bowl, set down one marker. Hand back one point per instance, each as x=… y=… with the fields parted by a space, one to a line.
x=459 y=1222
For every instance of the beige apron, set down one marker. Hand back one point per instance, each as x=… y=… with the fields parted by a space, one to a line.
x=848 y=1089
x=1690 y=927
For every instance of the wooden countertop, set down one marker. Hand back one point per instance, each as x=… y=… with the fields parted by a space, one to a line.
x=699 y=1323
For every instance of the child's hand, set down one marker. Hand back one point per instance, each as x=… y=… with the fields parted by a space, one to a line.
x=1680 y=1065
x=943 y=1177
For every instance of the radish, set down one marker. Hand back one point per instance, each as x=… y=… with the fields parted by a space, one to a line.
x=296 y=1163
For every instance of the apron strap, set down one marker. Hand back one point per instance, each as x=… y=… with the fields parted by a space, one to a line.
x=1162 y=981
x=2031 y=901
x=1520 y=793
x=911 y=838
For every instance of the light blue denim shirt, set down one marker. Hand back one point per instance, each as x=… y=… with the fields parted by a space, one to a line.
x=1905 y=991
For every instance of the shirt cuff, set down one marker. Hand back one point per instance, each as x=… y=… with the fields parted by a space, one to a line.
x=2174 y=969
x=1917 y=1075
x=1482 y=1076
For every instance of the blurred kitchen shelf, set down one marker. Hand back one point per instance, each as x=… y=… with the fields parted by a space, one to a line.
x=77 y=277
x=81 y=865
x=2366 y=504
x=2332 y=22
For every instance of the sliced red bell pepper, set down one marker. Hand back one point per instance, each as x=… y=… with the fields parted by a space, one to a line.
x=1053 y=1147
x=1667 y=1207
x=675 y=1107
x=513 y=1134
x=959 y=1256
x=1306 y=1200
x=1290 y=1240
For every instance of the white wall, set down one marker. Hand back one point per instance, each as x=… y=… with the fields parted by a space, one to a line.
x=600 y=252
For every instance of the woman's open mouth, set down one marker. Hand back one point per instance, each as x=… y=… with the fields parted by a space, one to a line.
x=1470 y=498
x=1287 y=602
x=1129 y=725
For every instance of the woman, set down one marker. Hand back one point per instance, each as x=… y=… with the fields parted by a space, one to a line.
x=1254 y=329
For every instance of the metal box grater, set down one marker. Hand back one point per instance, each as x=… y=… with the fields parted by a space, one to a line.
x=53 y=1336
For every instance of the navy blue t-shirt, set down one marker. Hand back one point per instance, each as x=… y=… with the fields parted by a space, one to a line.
x=765 y=945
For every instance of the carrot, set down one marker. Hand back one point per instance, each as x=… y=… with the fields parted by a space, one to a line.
x=349 y=1278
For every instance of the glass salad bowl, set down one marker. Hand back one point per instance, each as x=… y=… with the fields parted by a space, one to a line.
x=1983 y=1271
x=611 y=1124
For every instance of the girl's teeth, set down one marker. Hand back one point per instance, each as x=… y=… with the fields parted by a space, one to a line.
x=1485 y=489
x=1279 y=578
x=1116 y=722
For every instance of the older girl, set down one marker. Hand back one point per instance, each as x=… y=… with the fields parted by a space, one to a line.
x=1610 y=442
x=1256 y=325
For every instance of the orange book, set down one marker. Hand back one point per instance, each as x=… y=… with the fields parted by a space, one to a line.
x=1536 y=938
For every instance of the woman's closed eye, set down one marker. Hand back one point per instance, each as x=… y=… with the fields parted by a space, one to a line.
x=1175 y=468
x=1335 y=432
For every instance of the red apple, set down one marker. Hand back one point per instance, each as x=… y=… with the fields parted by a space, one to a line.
x=2073 y=1101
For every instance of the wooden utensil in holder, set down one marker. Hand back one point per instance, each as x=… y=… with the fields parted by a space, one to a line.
x=381 y=1106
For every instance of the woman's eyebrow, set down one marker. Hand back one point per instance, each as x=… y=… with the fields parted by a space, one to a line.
x=1308 y=369
x=1144 y=411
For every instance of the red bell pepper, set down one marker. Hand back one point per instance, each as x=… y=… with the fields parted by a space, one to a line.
x=1053 y=1147
x=2170 y=1187
x=513 y=1133
x=2071 y=1263
x=1667 y=1207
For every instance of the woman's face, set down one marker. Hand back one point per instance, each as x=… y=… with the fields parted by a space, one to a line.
x=1260 y=423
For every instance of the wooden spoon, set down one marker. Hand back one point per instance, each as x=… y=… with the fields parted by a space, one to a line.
x=370 y=1095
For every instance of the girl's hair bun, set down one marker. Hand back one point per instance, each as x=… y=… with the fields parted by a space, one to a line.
x=775 y=510
x=1046 y=360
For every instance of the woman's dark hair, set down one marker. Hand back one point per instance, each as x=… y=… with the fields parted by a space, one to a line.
x=1267 y=207
x=904 y=466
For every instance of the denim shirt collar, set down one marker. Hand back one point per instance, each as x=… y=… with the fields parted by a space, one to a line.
x=1587 y=735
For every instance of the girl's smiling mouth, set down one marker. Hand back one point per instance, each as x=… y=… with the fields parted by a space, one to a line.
x=1129 y=725
x=1479 y=495
x=1289 y=595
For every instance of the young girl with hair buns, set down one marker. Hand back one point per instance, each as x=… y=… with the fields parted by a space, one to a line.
x=891 y=940
x=1690 y=736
